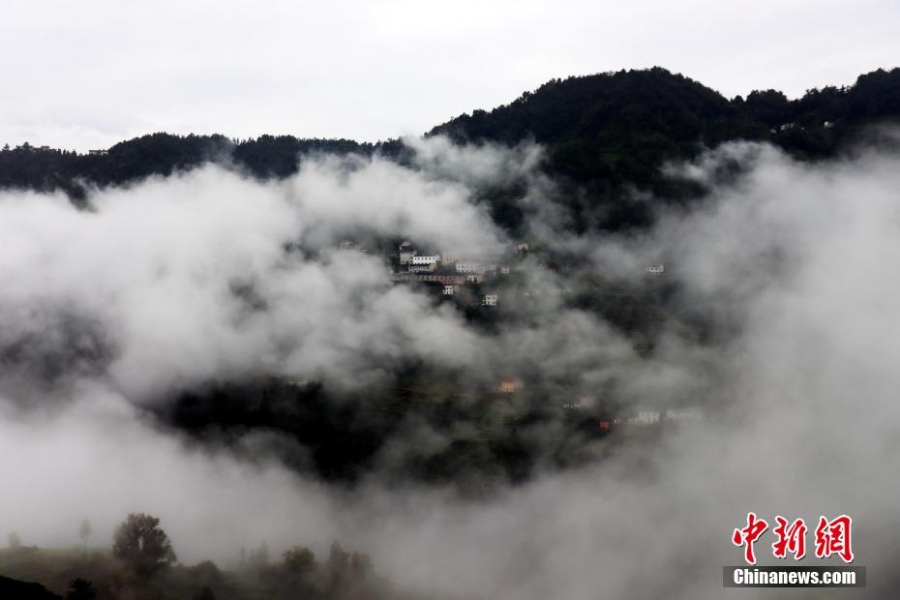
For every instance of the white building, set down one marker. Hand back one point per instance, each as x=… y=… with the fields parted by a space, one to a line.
x=470 y=267
x=449 y=290
x=656 y=269
x=683 y=414
x=644 y=417
x=423 y=264
x=426 y=268
x=489 y=300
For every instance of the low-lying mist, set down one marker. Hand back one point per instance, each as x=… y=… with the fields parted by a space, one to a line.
x=779 y=324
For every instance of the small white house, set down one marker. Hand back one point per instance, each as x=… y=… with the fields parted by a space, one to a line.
x=449 y=290
x=656 y=269
x=489 y=300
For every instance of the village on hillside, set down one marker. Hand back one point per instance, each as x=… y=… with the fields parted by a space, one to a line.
x=477 y=281
x=452 y=272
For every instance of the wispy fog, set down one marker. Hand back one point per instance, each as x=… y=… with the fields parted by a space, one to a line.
x=208 y=277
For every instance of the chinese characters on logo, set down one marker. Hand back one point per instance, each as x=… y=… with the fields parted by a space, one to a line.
x=832 y=537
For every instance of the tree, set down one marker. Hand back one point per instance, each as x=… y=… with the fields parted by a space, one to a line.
x=298 y=576
x=140 y=542
x=361 y=564
x=299 y=560
x=205 y=594
x=338 y=564
x=769 y=106
x=84 y=532
x=80 y=589
x=259 y=557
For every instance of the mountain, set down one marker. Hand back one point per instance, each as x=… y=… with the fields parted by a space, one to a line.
x=605 y=134
x=606 y=131
x=617 y=125
x=614 y=126
x=48 y=169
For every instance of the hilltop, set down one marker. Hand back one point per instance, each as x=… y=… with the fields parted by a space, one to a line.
x=605 y=135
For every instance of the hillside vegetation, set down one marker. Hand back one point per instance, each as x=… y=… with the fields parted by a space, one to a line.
x=605 y=135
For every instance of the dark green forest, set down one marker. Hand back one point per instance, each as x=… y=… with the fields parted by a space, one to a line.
x=605 y=134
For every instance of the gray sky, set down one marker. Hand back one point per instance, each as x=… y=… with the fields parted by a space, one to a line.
x=87 y=74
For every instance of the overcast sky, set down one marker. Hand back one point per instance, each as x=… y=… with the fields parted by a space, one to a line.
x=87 y=74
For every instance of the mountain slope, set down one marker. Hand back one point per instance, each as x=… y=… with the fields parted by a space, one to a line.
x=617 y=125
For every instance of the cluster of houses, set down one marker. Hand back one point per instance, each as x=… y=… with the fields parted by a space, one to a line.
x=789 y=126
x=639 y=419
x=49 y=149
x=645 y=418
x=452 y=270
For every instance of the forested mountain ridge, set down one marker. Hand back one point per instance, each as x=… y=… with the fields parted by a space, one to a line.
x=48 y=169
x=602 y=132
x=605 y=131
x=654 y=110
